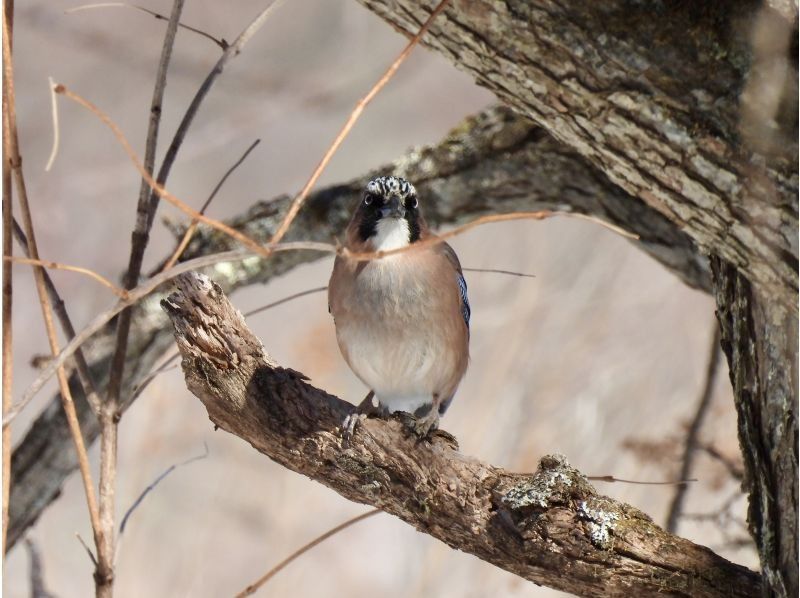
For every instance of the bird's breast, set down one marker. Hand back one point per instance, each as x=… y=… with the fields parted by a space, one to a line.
x=399 y=327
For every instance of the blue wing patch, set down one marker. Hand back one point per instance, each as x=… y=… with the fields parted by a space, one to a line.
x=462 y=289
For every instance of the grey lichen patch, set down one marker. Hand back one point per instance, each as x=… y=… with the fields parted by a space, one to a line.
x=555 y=482
x=602 y=521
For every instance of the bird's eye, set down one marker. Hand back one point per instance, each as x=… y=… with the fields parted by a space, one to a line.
x=367 y=199
x=412 y=203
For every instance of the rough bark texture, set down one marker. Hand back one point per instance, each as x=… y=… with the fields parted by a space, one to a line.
x=671 y=100
x=760 y=341
x=494 y=162
x=649 y=92
x=551 y=527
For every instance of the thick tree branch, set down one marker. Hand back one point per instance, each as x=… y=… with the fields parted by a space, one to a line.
x=494 y=162
x=538 y=526
x=650 y=94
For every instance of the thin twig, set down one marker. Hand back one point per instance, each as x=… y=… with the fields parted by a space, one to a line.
x=135 y=295
x=88 y=550
x=298 y=201
x=140 y=235
x=496 y=271
x=488 y=219
x=8 y=355
x=230 y=52
x=60 y=310
x=187 y=236
x=734 y=469
x=121 y=293
x=109 y=420
x=693 y=434
x=251 y=589
x=66 y=396
x=157 y=187
x=140 y=387
x=611 y=479
x=285 y=300
x=220 y=42
x=56 y=135
x=152 y=486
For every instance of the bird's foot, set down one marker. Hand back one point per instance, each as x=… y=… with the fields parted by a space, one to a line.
x=422 y=423
x=425 y=427
x=369 y=407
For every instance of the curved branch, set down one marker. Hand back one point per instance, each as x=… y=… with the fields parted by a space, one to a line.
x=655 y=97
x=536 y=526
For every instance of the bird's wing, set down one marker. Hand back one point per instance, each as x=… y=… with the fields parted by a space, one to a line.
x=450 y=254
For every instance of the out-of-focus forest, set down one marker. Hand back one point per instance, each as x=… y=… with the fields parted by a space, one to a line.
x=602 y=357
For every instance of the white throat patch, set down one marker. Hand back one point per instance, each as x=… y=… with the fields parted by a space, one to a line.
x=390 y=233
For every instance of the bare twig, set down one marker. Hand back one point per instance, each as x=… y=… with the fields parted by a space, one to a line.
x=251 y=589
x=8 y=357
x=488 y=219
x=230 y=52
x=140 y=235
x=110 y=412
x=135 y=295
x=56 y=134
x=734 y=469
x=693 y=434
x=297 y=202
x=611 y=479
x=220 y=42
x=66 y=396
x=121 y=293
x=187 y=236
x=152 y=486
x=285 y=300
x=496 y=271
x=60 y=310
x=88 y=550
x=157 y=187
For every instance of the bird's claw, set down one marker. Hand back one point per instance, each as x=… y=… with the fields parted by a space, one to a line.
x=350 y=422
x=368 y=407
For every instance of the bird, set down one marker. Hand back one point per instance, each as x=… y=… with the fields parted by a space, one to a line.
x=401 y=320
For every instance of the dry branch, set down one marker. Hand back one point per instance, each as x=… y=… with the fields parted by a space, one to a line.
x=551 y=527
x=8 y=356
x=495 y=162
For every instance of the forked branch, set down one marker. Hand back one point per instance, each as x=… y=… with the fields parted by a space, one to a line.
x=550 y=527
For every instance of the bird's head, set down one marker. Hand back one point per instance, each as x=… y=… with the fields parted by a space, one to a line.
x=388 y=215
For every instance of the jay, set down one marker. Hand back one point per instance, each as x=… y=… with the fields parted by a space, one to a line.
x=402 y=321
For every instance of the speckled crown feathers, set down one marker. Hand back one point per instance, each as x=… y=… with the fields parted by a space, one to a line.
x=386 y=186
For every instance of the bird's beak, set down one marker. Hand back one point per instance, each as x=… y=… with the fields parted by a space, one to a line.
x=393 y=209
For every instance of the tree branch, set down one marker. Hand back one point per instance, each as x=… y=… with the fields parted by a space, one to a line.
x=536 y=526
x=494 y=162
x=650 y=95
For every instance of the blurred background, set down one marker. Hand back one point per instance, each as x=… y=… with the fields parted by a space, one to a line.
x=601 y=357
